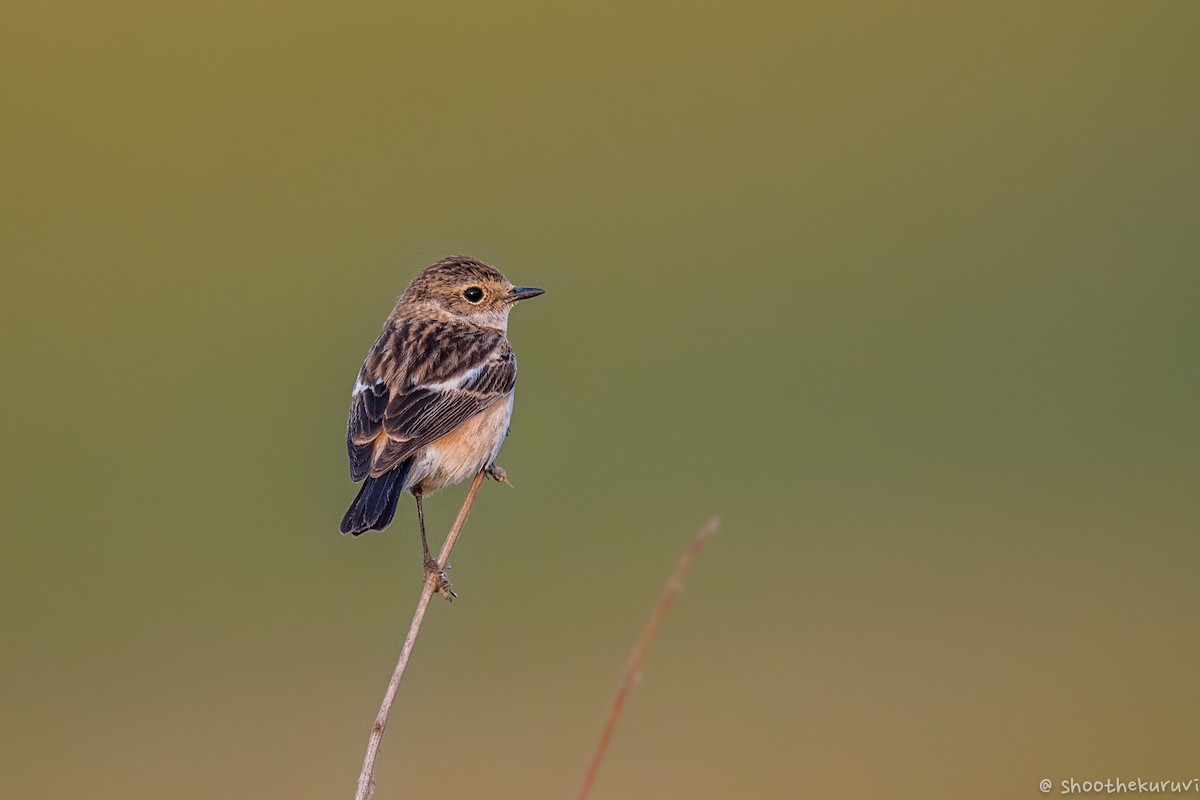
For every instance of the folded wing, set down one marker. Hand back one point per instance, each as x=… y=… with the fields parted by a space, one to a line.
x=410 y=393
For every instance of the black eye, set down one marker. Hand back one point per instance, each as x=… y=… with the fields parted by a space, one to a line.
x=474 y=294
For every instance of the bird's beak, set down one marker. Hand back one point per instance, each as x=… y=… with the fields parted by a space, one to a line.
x=524 y=293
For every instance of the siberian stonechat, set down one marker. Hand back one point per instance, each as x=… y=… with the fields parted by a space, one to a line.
x=434 y=397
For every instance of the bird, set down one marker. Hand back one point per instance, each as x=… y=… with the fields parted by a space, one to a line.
x=433 y=400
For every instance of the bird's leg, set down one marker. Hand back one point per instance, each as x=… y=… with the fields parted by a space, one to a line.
x=421 y=519
x=433 y=570
x=497 y=474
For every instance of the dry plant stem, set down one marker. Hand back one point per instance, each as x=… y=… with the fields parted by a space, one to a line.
x=674 y=584
x=366 y=778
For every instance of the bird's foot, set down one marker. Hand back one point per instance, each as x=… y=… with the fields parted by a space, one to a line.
x=497 y=474
x=441 y=581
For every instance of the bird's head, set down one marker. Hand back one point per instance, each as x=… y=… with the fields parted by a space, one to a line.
x=465 y=289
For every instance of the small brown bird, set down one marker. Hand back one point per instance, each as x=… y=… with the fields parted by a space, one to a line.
x=434 y=397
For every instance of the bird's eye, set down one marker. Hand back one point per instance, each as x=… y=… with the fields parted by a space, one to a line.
x=474 y=294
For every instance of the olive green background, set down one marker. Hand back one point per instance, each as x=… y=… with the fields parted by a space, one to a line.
x=907 y=293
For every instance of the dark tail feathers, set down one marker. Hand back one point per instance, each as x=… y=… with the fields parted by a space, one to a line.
x=375 y=504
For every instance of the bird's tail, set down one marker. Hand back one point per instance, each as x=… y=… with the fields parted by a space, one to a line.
x=375 y=504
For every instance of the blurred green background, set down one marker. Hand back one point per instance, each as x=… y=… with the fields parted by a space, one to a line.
x=907 y=293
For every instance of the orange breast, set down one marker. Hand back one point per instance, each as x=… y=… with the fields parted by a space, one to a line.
x=464 y=451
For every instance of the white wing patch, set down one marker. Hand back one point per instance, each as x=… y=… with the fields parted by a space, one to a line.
x=360 y=387
x=457 y=381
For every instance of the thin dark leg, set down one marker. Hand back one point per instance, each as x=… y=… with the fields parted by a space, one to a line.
x=421 y=519
x=432 y=569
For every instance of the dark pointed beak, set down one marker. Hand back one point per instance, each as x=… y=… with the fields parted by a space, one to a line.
x=524 y=293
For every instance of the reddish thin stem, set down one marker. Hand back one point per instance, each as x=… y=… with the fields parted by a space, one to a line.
x=674 y=584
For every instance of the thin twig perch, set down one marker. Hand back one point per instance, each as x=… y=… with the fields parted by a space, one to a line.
x=674 y=584
x=366 y=779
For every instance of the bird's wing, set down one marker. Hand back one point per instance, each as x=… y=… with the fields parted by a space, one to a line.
x=418 y=384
